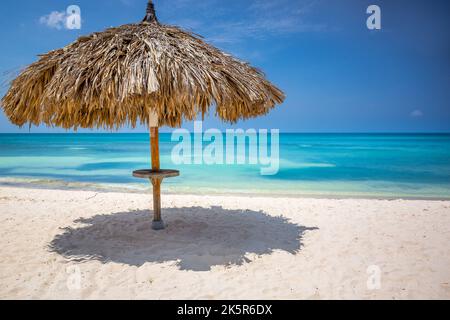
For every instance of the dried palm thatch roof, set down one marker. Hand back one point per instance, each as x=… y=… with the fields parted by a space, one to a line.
x=119 y=76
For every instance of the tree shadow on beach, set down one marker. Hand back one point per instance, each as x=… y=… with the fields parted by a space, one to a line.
x=196 y=238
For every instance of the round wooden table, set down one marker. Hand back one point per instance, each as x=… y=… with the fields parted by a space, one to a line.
x=155 y=174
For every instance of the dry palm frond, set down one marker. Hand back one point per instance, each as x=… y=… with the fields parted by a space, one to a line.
x=117 y=77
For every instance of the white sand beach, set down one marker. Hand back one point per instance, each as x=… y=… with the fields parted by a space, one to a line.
x=58 y=244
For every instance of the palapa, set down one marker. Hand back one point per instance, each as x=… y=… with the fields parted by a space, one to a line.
x=147 y=73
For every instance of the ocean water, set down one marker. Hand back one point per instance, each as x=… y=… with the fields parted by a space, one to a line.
x=330 y=165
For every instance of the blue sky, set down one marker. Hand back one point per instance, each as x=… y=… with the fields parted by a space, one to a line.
x=338 y=75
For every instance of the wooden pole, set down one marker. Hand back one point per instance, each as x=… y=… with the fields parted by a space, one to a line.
x=156 y=175
x=154 y=138
x=156 y=182
x=156 y=200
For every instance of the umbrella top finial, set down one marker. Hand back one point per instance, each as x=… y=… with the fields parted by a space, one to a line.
x=150 y=13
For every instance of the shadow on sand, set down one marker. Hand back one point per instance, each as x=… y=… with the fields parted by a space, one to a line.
x=196 y=238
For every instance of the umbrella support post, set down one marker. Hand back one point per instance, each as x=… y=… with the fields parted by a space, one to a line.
x=158 y=223
x=156 y=176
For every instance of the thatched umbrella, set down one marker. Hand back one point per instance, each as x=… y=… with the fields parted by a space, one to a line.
x=147 y=73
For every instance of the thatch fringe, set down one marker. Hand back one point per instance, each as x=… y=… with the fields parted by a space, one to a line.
x=116 y=77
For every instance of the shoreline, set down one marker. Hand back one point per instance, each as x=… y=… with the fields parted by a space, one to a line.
x=107 y=188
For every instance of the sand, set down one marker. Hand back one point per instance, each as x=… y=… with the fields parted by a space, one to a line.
x=57 y=244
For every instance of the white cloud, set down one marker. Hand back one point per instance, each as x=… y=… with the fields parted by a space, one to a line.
x=63 y=20
x=55 y=19
x=416 y=114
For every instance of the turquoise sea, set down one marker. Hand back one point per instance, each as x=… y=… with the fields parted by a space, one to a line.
x=329 y=165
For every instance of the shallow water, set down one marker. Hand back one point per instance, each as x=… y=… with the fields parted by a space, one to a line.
x=367 y=165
